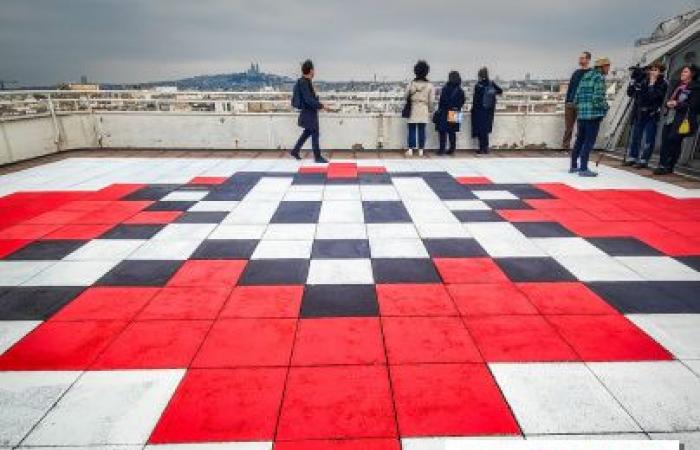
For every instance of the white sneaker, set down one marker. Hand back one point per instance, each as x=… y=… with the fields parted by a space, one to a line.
x=420 y=152
x=409 y=153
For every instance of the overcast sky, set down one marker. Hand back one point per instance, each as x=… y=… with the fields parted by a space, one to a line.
x=50 y=41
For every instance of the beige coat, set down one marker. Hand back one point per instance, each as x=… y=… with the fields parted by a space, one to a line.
x=422 y=101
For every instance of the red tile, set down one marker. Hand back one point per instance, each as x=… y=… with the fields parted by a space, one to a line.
x=524 y=215
x=414 y=300
x=340 y=444
x=672 y=244
x=153 y=217
x=597 y=228
x=73 y=231
x=247 y=342
x=158 y=344
x=186 y=303
x=61 y=346
x=547 y=204
x=371 y=169
x=115 y=191
x=469 y=270
x=688 y=228
x=223 y=405
x=115 y=213
x=608 y=338
x=427 y=340
x=264 y=301
x=106 y=303
x=337 y=402
x=85 y=205
x=565 y=298
x=56 y=217
x=473 y=180
x=490 y=299
x=9 y=246
x=27 y=231
x=313 y=169
x=208 y=273
x=518 y=339
x=347 y=340
x=449 y=400
x=208 y=180
x=573 y=214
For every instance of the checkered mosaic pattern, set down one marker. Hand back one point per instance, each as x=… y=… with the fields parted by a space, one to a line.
x=345 y=307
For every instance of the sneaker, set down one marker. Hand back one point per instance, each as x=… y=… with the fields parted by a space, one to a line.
x=420 y=152
x=573 y=170
x=320 y=160
x=408 y=153
x=295 y=155
x=587 y=173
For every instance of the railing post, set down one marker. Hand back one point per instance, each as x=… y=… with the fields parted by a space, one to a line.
x=56 y=128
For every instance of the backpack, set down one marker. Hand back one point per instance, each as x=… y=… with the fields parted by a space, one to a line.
x=488 y=99
x=296 y=97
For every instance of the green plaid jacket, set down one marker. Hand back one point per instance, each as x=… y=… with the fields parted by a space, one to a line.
x=590 y=96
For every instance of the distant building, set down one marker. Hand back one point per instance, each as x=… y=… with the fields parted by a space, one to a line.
x=79 y=87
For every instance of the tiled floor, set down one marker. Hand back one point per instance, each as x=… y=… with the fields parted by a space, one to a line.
x=370 y=304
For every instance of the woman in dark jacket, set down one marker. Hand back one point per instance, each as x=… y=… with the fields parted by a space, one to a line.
x=451 y=99
x=683 y=108
x=483 y=109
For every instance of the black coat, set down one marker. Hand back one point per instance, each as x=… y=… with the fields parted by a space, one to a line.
x=689 y=108
x=648 y=99
x=482 y=118
x=308 y=115
x=451 y=99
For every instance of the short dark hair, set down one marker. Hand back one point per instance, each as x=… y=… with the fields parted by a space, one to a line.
x=588 y=54
x=454 y=78
x=483 y=73
x=421 y=70
x=694 y=70
x=307 y=66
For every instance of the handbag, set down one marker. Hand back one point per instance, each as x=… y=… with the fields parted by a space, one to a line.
x=684 y=127
x=406 y=111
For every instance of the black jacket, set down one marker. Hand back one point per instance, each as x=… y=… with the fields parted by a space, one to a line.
x=308 y=116
x=648 y=98
x=688 y=106
x=482 y=118
x=452 y=98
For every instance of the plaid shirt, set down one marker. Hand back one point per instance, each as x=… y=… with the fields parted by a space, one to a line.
x=590 y=96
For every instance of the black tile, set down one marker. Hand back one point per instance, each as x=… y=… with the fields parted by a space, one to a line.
x=530 y=193
x=648 y=297
x=132 y=232
x=170 y=206
x=201 y=217
x=691 y=261
x=225 y=249
x=341 y=181
x=404 y=270
x=453 y=248
x=309 y=178
x=228 y=193
x=534 y=269
x=297 y=212
x=385 y=212
x=374 y=178
x=275 y=272
x=340 y=248
x=46 y=250
x=339 y=301
x=623 y=246
x=35 y=303
x=507 y=204
x=140 y=273
x=478 y=216
x=447 y=188
x=543 y=229
x=152 y=192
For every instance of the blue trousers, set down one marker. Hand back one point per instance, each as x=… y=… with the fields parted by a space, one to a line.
x=644 y=129
x=413 y=129
x=586 y=135
x=314 y=134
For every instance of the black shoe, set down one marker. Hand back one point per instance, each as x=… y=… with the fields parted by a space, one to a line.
x=320 y=160
x=440 y=153
x=629 y=163
x=641 y=165
x=661 y=171
x=295 y=155
x=450 y=152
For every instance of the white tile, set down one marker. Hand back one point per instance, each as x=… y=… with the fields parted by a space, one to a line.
x=378 y=192
x=391 y=230
x=213 y=446
x=185 y=231
x=678 y=333
x=597 y=268
x=340 y=271
x=228 y=231
x=561 y=399
x=589 y=437
x=442 y=230
x=108 y=407
x=694 y=365
x=162 y=249
x=290 y=231
x=341 y=192
x=252 y=212
x=467 y=205
x=12 y=331
x=429 y=212
x=72 y=273
x=659 y=268
x=297 y=188
x=503 y=240
x=272 y=249
x=341 y=231
x=214 y=206
x=397 y=248
x=567 y=246
x=495 y=195
x=414 y=188
x=184 y=196
x=105 y=249
x=14 y=273
x=661 y=396
x=456 y=443
x=24 y=399
x=341 y=211
x=303 y=196
x=91 y=447
x=690 y=440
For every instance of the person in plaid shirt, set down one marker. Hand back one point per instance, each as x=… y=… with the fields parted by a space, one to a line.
x=591 y=106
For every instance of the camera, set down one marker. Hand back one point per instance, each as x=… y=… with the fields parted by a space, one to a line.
x=637 y=73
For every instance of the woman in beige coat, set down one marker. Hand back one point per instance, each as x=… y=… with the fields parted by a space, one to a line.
x=421 y=94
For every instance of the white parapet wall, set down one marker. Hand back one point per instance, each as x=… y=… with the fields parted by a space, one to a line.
x=25 y=138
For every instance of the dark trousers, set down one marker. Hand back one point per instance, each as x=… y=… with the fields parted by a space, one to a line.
x=586 y=135
x=671 y=145
x=419 y=130
x=483 y=138
x=444 y=135
x=569 y=122
x=644 y=128
x=314 y=134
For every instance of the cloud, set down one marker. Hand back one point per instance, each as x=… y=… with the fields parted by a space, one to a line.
x=48 y=41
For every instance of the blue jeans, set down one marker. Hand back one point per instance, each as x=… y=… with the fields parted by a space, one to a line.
x=586 y=135
x=314 y=134
x=644 y=127
x=414 y=128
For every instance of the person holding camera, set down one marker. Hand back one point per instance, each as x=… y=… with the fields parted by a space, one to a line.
x=648 y=89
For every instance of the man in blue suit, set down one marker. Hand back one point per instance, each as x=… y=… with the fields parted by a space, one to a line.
x=306 y=100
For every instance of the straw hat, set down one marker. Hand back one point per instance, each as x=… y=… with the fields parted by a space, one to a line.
x=600 y=62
